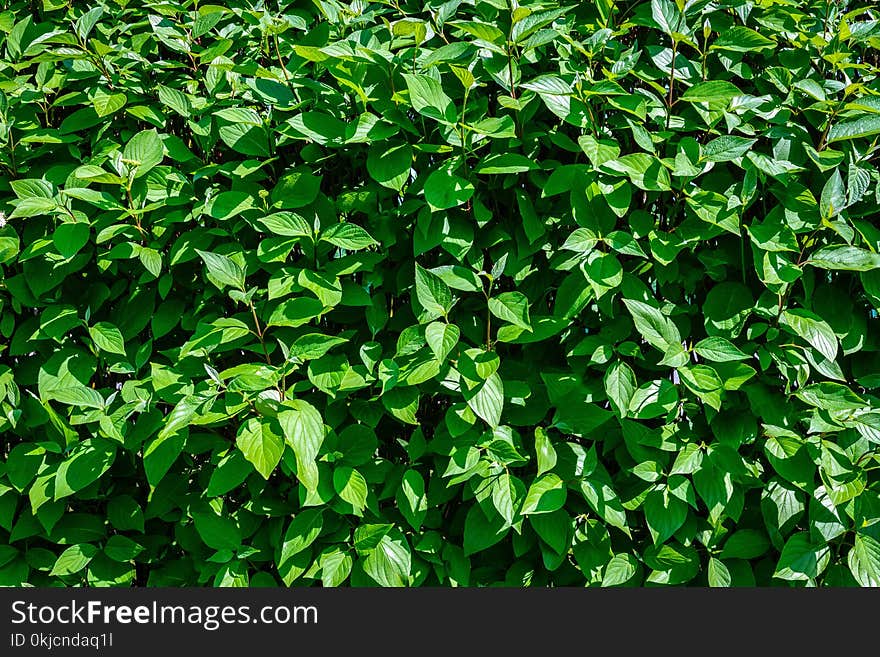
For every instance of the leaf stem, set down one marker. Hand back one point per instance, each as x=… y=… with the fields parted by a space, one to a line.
x=671 y=82
x=259 y=331
x=280 y=61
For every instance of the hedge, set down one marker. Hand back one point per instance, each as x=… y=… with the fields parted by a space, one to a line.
x=464 y=293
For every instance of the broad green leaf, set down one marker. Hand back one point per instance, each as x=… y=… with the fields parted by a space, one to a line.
x=745 y=544
x=512 y=307
x=726 y=148
x=86 y=463
x=260 y=445
x=443 y=190
x=863 y=560
x=813 y=330
x=348 y=236
x=107 y=338
x=427 y=97
x=801 y=559
x=620 y=570
x=854 y=128
x=351 y=486
x=288 y=224
x=411 y=498
x=657 y=329
x=73 y=559
x=545 y=451
x=143 y=152
x=487 y=399
x=442 y=338
x=845 y=258
x=719 y=350
x=714 y=92
x=664 y=513
x=390 y=562
x=390 y=168
x=545 y=495
x=833 y=198
x=303 y=430
x=223 y=269
x=668 y=17
x=742 y=39
x=302 y=531
x=432 y=293
x=620 y=384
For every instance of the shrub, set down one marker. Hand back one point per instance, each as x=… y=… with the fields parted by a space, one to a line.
x=459 y=293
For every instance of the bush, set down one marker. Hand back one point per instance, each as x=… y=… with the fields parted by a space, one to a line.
x=466 y=293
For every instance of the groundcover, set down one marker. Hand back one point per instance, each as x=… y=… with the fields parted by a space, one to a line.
x=465 y=293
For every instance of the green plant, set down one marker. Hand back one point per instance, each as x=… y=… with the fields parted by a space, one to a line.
x=457 y=293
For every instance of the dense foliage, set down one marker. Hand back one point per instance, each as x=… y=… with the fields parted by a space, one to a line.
x=460 y=293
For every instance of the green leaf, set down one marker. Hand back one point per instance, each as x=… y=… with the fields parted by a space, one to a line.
x=833 y=199
x=78 y=395
x=554 y=529
x=86 y=463
x=351 y=486
x=390 y=562
x=260 y=445
x=483 y=530
x=73 y=559
x=511 y=307
x=581 y=240
x=667 y=17
x=287 y=224
x=390 y=168
x=442 y=338
x=217 y=531
x=302 y=531
x=726 y=148
x=863 y=560
x=657 y=329
x=296 y=312
x=487 y=399
x=544 y=450
x=222 y=269
x=845 y=258
x=506 y=496
x=546 y=494
x=855 y=128
x=432 y=293
x=714 y=92
x=106 y=104
x=505 y=163
x=411 y=499
x=745 y=544
x=246 y=139
x=69 y=239
x=303 y=430
x=427 y=97
x=742 y=39
x=620 y=384
x=348 y=236
x=444 y=190
x=143 y=152
x=801 y=559
x=296 y=189
x=107 y=338
x=87 y=21
x=230 y=473
x=726 y=308
x=622 y=569
x=664 y=513
x=719 y=350
x=813 y=329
